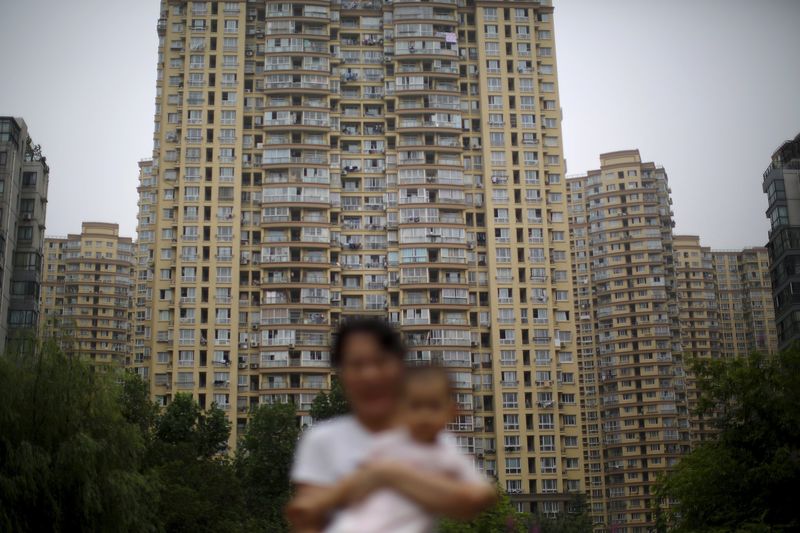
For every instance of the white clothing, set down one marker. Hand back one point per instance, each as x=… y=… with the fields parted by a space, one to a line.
x=386 y=511
x=331 y=450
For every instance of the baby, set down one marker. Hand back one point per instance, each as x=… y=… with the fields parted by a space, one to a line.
x=426 y=408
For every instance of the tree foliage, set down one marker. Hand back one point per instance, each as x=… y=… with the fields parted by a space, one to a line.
x=576 y=519
x=331 y=404
x=88 y=451
x=263 y=461
x=69 y=459
x=501 y=518
x=745 y=479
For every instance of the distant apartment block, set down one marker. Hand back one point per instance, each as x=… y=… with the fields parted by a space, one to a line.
x=744 y=297
x=630 y=350
x=87 y=294
x=782 y=186
x=696 y=291
x=24 y=177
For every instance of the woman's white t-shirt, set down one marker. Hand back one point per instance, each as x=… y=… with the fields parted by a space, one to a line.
x=331 y=450
x=336 y=448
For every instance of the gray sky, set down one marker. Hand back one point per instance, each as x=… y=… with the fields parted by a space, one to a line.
x=708 y=88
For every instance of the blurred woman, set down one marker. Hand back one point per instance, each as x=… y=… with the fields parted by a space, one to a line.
x=329 y=470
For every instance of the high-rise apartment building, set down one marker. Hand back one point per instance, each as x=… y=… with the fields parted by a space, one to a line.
x=782 y=186
x=318 y=161
x=744 y=295
x=696 y=288
x=87 y=291
x=589 y=365
x=24 y=177
x=628 y=318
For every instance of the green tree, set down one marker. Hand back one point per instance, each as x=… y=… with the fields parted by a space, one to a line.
x=200 y=491
x=185 y=428
x=135 y=403
x=331 y=404
x=745 y=479
x=501 y=518
x=576 y=519
x=263 y=461
x=69 y=458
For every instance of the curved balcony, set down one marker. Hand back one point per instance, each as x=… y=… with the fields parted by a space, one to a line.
x=421 y=85
x=297 y=83
x=296 y=121
x=313 y=11
x=286 y=28
x=417 y=12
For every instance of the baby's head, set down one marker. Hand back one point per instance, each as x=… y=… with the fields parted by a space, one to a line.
x=427 y=403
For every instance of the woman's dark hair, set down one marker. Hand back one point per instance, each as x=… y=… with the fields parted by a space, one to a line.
x=385 y=335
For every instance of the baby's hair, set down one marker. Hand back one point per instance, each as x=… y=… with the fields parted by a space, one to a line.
x=416 y=373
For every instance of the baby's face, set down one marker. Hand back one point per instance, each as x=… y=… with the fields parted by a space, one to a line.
x=427 y=408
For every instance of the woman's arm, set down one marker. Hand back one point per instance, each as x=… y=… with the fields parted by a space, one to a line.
x=309 y=509
x=438 y=494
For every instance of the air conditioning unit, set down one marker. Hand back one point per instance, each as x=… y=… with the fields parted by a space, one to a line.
x=26 y=216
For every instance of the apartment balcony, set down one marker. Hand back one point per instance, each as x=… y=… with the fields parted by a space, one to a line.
x=419 y=12
x=441 y=121
x=310 y=199
x=297 y=28
x=304 y=159
x=450 y=201
x=427 y=86
x=426 y=2
x=416 y=106
x=421 y=50
x=298 y=11
x=296 y=84
x=299 y=122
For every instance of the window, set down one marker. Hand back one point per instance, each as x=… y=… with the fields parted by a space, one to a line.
x=29 y=179
x=25 y=233
x=27 y=206
x=21 y=318
x=513 y=465
x=25 y=288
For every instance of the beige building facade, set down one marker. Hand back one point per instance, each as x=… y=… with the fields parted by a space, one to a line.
x=632 y=374
x=698 y=305
x=319 y=161
x=87 y=291
x=746 y=311
x=647 y=304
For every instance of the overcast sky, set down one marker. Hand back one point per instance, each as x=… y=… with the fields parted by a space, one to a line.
x=707 y=88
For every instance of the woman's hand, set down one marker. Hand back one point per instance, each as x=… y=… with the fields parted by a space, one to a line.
x=369 y=478
x=307 y=511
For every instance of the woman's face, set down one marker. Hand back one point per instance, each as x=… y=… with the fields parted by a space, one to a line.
x=371 y=377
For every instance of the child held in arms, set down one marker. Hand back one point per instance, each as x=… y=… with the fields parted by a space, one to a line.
x=426 y=407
